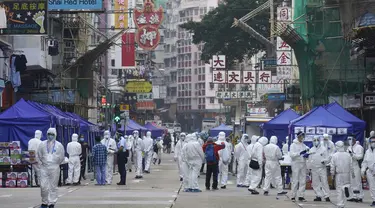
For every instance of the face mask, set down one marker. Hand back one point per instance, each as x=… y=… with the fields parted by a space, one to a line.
x=82 y=139
x=51 y=137
x=300 y=139
x=350 y=142
x=316 y=143
x=248 y=141
x=373 y=144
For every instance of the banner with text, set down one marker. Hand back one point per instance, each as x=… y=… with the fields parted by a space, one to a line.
x=75 y=5
x=121 y=14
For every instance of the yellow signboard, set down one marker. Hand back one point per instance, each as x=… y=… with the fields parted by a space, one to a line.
x=138 y=87
x=124 y=107
x=121 y=14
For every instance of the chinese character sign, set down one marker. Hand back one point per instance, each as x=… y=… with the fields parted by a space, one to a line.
x=284 y=72
x=218 y=62
x=121 y=14
x=218 y=77
x=249 y=77
x=284 y=58
x=234 y=77
x=264 y=77
x=282 y=45
x=148 y=21
x=25 y=17
x=284 y=14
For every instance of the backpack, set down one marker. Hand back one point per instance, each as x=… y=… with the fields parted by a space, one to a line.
x=210 y=154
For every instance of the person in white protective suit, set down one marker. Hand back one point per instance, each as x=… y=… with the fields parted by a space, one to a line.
x=129 y=146
x=224 y=160
x=319 y=160
x=273 y=154
x=251 y=142
x=230 y=149
x=178 y=155
x=285 y=146
x=242 y=158
x=111 y=150
x=33 y=146
x=193 y=156
x=148 y=151
x=368 y=145
x=342 y=170
x=368 y=168
x=138 y=147
x=298 y=153
x=356 y=151
x=74 y=149
x=51 y=154
x=329 y=145
x=257 y=155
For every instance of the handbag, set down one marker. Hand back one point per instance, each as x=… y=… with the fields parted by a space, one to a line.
x=254 y=165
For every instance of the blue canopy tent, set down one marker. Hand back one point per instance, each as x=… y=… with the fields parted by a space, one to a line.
x=359 y=126
x=87 y=129
x=20 y=121
x=278 y=126
x=132 y=126
x=320 y=117
x=155 y=131
x=222 y=128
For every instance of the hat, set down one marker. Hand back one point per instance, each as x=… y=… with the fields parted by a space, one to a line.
x=300 y=133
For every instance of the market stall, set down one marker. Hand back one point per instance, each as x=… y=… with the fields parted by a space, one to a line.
x=278 y=126
x=222 y=128
x=359 y=126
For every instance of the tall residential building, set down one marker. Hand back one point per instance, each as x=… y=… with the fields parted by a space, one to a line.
x=190 y=88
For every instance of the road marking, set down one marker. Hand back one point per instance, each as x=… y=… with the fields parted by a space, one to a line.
x=170 y=201
x=137 y=181
x=230 y=182
x=6 y=196
x=174 y=196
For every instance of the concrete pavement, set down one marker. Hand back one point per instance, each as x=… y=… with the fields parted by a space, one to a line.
x=160 y=189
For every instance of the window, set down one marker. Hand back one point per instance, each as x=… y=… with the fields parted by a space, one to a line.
x=114 y=71
x=212 y=100
x=196 y=11
x=203 y=70
x=195 y=71
x=112 y=62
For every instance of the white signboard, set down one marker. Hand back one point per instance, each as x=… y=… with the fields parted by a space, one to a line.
x=284 y=58
x=257 y=111
x=218 y=62
x=249 y=77
x=218 y=77
x=282 y=45
x=234 y=94
x=284 y=72
x=144 y=96
x=234 y=77
x=284 y=14
x=264 y=77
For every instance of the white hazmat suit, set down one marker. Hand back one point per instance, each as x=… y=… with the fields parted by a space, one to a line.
x=372 y=133
x=148 y=150
x=74 y=149
x=129 y=146
x=242 y=158
x=356 y=151
x=138 y=147
x=224 y=156
x=249 y=149
x=329 y=146
x=342 y=169
x=111 y=150
x=298 y=169
x=51 y=154
x=319 y=159
x=368 y=168
x=257 y=155
x=285 y=146
x=33 y=146
x=178 y=155
x=193 y=156
x=273 y=154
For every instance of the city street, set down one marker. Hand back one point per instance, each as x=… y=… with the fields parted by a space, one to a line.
x=160 y=189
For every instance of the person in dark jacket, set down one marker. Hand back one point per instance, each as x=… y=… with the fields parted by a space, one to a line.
x=122 y=159
x=167 y=142
x=83 y=157
x=212 y=167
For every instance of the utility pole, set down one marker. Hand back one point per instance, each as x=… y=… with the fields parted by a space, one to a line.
x=106 y=70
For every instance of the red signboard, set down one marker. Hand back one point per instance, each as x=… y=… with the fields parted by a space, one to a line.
x=148 y=21
x=146 y=105
x=128 y=49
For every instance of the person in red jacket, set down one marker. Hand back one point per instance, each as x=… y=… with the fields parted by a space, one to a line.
x=211 y=151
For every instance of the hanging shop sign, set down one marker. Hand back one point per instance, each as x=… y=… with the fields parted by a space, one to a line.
x=146 y=105
x=121 y=14
x=138 y=87
x=234 y=94
x=76 y=5
x=241 y=77
x=144 y=97
x=218 y=62
x=148 y=21
x=25 y=17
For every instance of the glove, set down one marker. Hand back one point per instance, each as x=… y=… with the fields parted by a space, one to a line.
x=306 y=155
x=303 y=152
x=323 y=163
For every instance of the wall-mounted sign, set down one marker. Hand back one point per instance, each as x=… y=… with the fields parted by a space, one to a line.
x=218 y=62
x=138 y=87
x=368 y=99
x=76 y=5
x=148 y=21
x=146 y=105
x=144 y=96
x=235 y=94
x=25 y=17
x=121 y=14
